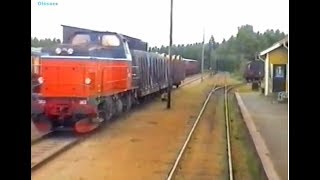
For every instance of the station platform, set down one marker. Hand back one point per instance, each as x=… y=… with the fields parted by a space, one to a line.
x=267 y=122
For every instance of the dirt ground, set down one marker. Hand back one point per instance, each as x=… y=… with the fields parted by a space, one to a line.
x=140 y=145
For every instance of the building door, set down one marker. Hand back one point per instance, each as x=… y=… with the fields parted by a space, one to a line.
x=279 y=77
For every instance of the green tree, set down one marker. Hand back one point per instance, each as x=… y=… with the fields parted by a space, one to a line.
x=47 y=42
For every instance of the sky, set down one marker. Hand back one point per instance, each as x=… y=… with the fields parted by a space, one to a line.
x=149 y=20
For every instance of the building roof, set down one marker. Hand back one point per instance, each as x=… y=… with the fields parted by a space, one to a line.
x=283 y=42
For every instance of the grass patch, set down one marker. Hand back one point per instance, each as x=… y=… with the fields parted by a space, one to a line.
x=237 y=76
x=246 y=162
x=244 y=88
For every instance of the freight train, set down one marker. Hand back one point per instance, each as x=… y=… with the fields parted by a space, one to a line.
x=96 y=75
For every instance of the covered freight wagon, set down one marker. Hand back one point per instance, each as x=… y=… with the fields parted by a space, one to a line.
x=192 y=66
x=179 y=71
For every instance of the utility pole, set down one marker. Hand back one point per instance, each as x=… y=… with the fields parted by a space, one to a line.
x=202 y=56
x=170 y=59
x=209 y=55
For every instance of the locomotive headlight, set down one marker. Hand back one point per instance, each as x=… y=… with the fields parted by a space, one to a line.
x=70 y=51
x=58 y=50
x=83 y=102
x=40 y=80
x=87 y=81
x=41 y=101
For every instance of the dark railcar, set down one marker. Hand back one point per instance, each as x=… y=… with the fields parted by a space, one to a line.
x=254 y=71
x=192 y=66
x=151 y=72
x=178 y=70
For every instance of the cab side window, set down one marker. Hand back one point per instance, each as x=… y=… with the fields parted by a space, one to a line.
x=110 y=40
x=112 y=47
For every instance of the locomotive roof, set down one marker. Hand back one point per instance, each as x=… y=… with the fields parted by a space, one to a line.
x=71 y=30
x=84 y=29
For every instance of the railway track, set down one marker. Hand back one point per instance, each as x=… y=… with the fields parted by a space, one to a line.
x=39 y=138
x=193 y=79
x=51 y=144
x=227 y=121
x=173 y=172
x=195 y=159
x=226 y=110
x=48 y=147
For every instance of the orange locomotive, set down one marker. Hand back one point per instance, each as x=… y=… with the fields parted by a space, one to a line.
x=92 y=77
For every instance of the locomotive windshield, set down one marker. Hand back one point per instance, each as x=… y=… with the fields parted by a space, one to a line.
x=110 y=40
x=81 y=39
x=101 y=45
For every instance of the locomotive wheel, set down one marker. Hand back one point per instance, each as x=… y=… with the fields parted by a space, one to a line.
x=106 y=109
x=42 y=123
x=119 y=107
x=128 y=103
x=85 y=125
x=164 y=96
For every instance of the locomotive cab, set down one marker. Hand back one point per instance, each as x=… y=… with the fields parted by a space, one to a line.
x=107 y=45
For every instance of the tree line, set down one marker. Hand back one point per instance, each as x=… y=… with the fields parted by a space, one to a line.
x=229 y=55
x=47 y=42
